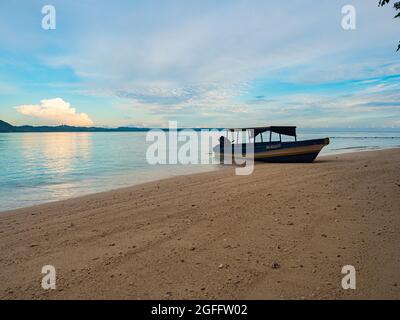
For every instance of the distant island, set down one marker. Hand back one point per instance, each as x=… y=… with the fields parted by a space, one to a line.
x=6 y=127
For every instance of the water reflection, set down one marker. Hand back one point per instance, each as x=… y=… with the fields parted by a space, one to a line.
x=55 y=154
x=38 y=167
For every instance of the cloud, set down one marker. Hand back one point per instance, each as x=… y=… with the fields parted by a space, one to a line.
x=194 y=61
x=196 y=69
x=226 y=43
x=348 y=109
x=56 y=111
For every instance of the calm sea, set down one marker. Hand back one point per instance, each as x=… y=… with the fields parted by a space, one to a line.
x=44 y=167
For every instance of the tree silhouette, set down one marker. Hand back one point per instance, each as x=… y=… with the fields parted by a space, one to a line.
x=396 y=6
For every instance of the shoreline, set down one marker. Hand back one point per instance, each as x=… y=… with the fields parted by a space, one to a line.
x=139 y=183
x=283 y=232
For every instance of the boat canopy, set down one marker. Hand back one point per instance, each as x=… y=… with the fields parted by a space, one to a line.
x=285 y=130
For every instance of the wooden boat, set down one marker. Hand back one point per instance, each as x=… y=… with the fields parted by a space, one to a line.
x=270 y=151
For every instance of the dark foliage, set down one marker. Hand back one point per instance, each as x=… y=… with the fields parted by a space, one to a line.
x=396 y=6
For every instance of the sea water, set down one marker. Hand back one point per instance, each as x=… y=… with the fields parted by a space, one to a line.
x=42 y=167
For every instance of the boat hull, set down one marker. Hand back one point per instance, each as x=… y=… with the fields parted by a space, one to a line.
x=307 y=157
x=298 y=151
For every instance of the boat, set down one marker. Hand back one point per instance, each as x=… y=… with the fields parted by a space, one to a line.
x=268 y=150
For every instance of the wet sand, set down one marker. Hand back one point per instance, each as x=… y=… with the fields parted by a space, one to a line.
x=284 y=232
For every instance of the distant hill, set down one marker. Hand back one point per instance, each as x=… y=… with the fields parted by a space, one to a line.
x=6 y=127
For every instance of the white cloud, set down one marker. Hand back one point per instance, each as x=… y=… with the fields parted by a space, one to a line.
x=197 y=67
x=226 y=43
x=56 y=111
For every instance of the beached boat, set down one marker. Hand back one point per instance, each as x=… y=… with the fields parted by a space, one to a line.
x=245 y=140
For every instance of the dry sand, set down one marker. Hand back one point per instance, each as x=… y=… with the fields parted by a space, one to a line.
x=283 y=232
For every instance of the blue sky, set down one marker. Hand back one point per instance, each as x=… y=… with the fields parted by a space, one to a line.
x=202 y=63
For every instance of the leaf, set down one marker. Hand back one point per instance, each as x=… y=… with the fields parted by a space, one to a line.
x=383 y=2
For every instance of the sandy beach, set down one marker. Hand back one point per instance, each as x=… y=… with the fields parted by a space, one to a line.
x=284 y=232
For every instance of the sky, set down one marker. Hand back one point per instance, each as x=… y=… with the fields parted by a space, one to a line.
x=202 y=63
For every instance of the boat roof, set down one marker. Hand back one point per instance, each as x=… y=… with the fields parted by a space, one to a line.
x=286 y=130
